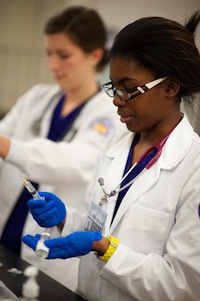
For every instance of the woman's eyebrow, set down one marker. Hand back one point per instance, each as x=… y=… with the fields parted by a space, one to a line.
x=123 y=80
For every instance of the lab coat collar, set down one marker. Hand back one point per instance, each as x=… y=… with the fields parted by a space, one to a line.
x=177 y=145
x=174 y=150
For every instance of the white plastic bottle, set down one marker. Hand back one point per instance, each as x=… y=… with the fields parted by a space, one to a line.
x=41 y=250
x=30 y=289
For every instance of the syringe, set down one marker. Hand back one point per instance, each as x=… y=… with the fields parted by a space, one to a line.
x=41 y=250
x=32 y=189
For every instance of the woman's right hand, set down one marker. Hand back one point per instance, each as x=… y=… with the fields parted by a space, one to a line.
x=49 y=212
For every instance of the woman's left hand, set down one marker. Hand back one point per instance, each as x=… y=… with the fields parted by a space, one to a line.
x=73 y=245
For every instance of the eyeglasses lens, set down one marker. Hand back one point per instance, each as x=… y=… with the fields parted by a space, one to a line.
x=109 y=89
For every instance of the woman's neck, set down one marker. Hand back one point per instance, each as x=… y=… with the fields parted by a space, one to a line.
x=77 y=96
x=163 y=129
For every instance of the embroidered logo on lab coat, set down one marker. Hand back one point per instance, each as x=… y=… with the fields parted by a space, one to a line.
x=102 y=126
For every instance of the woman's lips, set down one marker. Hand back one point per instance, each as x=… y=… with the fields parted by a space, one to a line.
x=125 y=119
x=59 y=77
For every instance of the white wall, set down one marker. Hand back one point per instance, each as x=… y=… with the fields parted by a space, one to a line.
x=22 y=57
x=126 y=11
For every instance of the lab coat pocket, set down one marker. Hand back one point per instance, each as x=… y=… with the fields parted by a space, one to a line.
x=144 y=229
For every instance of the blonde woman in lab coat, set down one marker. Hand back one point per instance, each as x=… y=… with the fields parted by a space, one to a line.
x=54 y=133
x=141 y=237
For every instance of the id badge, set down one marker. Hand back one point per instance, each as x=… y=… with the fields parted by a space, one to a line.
x=96 y=219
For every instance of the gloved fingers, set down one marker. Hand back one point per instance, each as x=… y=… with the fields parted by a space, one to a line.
x=58 y=253
x=46 y=215
x=58 y=249
x=83 y=240
x=42 y=209
x=49 y=196
x=31 y=241
x=47 y=219
x=73 y=245
x=32 y=203
x=55 y=243
x=48 y=222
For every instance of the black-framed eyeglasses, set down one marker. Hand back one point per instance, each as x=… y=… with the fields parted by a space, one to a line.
x=126 y=95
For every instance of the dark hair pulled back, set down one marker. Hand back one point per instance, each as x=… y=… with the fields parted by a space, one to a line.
x=85 y=28
x=165 y=47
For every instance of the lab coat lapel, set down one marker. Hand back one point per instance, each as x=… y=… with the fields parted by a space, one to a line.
x=117 y=157
x=138 y=188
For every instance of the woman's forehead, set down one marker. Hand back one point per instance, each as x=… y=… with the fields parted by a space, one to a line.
x=126 y=68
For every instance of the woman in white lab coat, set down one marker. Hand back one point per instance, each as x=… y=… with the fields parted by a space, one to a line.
x=54 y=133
x=141 y=237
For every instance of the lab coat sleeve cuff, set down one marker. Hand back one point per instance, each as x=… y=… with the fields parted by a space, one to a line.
x=17 y=154
x=115 y=261
x=113 y=266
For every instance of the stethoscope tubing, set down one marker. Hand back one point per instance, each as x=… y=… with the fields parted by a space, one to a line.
x=157 y=147
x=116 y=190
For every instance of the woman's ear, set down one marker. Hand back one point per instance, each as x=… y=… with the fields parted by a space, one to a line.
x=96 y=56
x=172 y=87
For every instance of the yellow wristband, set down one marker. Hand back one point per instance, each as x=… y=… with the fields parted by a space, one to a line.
x=114 y=242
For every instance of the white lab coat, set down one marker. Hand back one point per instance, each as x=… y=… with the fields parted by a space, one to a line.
x=64 y=168
x=157 y=223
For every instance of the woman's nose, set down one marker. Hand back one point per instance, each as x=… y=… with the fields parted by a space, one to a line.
x=117 y=101
x=54 y=64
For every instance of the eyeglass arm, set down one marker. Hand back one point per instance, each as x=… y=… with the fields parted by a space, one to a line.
x=155 y=82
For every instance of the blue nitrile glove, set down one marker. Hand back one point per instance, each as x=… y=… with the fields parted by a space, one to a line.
x=31 y=241
x=73 y=245
x=48 y=212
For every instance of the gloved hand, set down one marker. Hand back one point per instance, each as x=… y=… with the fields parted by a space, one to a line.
x=48 y=212
x=73 y=245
